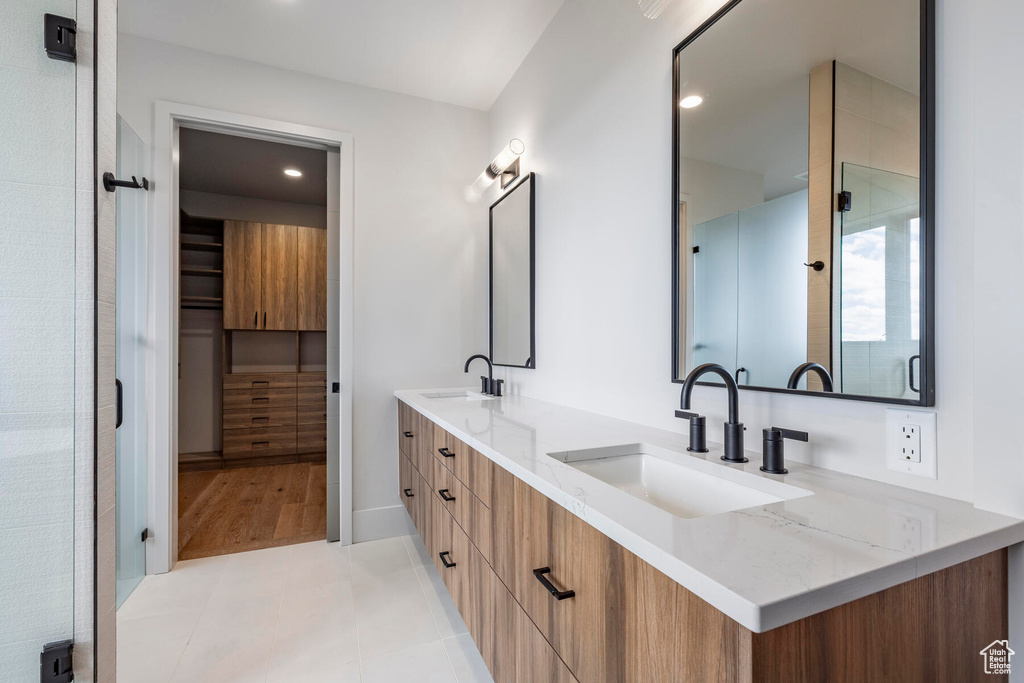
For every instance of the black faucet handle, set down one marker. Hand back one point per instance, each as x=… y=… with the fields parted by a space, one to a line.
x=485 y=384
x=790 y=434
x=698 y=431
x=686 y=415
x=496 y=385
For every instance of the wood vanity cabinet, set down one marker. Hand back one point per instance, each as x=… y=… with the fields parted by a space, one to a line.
x=627 y=621
x=275 y=277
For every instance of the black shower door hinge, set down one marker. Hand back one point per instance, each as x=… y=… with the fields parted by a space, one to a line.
x=59 y=37
x=145 y=534
x=55 y=665
x=845 y=200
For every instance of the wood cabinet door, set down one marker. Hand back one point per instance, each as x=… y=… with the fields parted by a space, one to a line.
x=312 y=279
x=243 y=262
x=280 y=277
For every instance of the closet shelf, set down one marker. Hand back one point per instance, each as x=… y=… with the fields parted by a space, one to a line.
x=204 y=302
x=201 y=246
x=201 y=272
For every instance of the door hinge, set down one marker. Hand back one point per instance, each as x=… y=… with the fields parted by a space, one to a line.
x=696 y=250
x=145 y=534
x=845 y=200
x=55 y=662
x=59 y=37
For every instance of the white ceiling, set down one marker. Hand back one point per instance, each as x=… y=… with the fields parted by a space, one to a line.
x=244 y=167
x=457 y=51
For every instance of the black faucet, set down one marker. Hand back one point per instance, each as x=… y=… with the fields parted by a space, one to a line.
x=774 y=454
x=826 y=379
x=733 y=428
x=486 y=383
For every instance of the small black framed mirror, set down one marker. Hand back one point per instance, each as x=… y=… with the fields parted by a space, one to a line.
x=512 y=286
x=803 y=147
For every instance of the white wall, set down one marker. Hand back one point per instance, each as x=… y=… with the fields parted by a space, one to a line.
x=420 y=248
x=592 y=102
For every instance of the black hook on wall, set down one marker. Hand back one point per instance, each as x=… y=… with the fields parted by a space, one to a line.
x=110 y=183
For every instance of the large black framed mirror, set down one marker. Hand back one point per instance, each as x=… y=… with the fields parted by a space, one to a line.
x=512 y=243
x=803 y=151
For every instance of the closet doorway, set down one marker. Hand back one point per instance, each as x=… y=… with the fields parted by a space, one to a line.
x=252 y=346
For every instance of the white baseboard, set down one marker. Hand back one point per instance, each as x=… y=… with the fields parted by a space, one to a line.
x=386 y=522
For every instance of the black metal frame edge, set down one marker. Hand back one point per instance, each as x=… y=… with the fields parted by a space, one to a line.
x=531 y=179
x=95 y=338
x=927 y=397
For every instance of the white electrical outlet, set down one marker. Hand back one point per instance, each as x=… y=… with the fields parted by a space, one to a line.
x=910 y=442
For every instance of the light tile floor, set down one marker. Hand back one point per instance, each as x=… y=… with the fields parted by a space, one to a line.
x=372 y=612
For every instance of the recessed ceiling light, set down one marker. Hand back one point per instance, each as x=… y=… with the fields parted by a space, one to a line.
x=691 y=101
x=294 y=173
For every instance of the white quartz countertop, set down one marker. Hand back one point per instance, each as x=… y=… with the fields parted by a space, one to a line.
x=763 y=566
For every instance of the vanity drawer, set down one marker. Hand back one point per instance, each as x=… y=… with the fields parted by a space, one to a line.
x=244 y=443
x=311 y=438
x=261 y=398
x=258 y=416
x=531 y=533
x=408 y=427
x=260 y=382
x=471 y=467
x=468 y=511
x=406 y=492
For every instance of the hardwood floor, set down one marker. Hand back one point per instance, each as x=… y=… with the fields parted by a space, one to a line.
x=248 y=508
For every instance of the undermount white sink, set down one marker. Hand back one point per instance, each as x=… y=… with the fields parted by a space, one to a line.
x=678 y=483
x=462 y=395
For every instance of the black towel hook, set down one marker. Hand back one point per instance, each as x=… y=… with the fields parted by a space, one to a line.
x=110 y=183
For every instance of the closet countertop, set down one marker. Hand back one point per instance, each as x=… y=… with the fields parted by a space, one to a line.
x=765 y=566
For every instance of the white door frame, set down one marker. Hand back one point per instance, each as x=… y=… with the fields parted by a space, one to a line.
x=162 y=474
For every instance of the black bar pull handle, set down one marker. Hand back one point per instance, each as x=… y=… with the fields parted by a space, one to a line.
x=444 y=559
x=445 y=452
x=446 y=496
x=910 y=367
x=407 y=435
x=550 y=587
x=408 y=493
x=264 y=320
x=256 y=319
x=120 y=403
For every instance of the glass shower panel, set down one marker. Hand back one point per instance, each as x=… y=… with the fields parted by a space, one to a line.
x=772 y=290
x=38 y=305
x=715 y=290
x=131 y=368
x=879 y=282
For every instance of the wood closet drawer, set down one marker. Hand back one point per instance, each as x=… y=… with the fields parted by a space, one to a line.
x=468 y=511
x=311 y=438
x=243 y=443
x=235 y=399
x=306 y=415
x=472 y=468
x=257 y=416
x=311 y=397
x=259 y=382
x=316 y=380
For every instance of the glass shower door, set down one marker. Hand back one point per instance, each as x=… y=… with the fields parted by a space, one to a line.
x=880 y=283
x=131 y=364
x=39 y=298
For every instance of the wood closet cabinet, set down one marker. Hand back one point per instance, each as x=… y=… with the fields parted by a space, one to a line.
x=275 y=277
